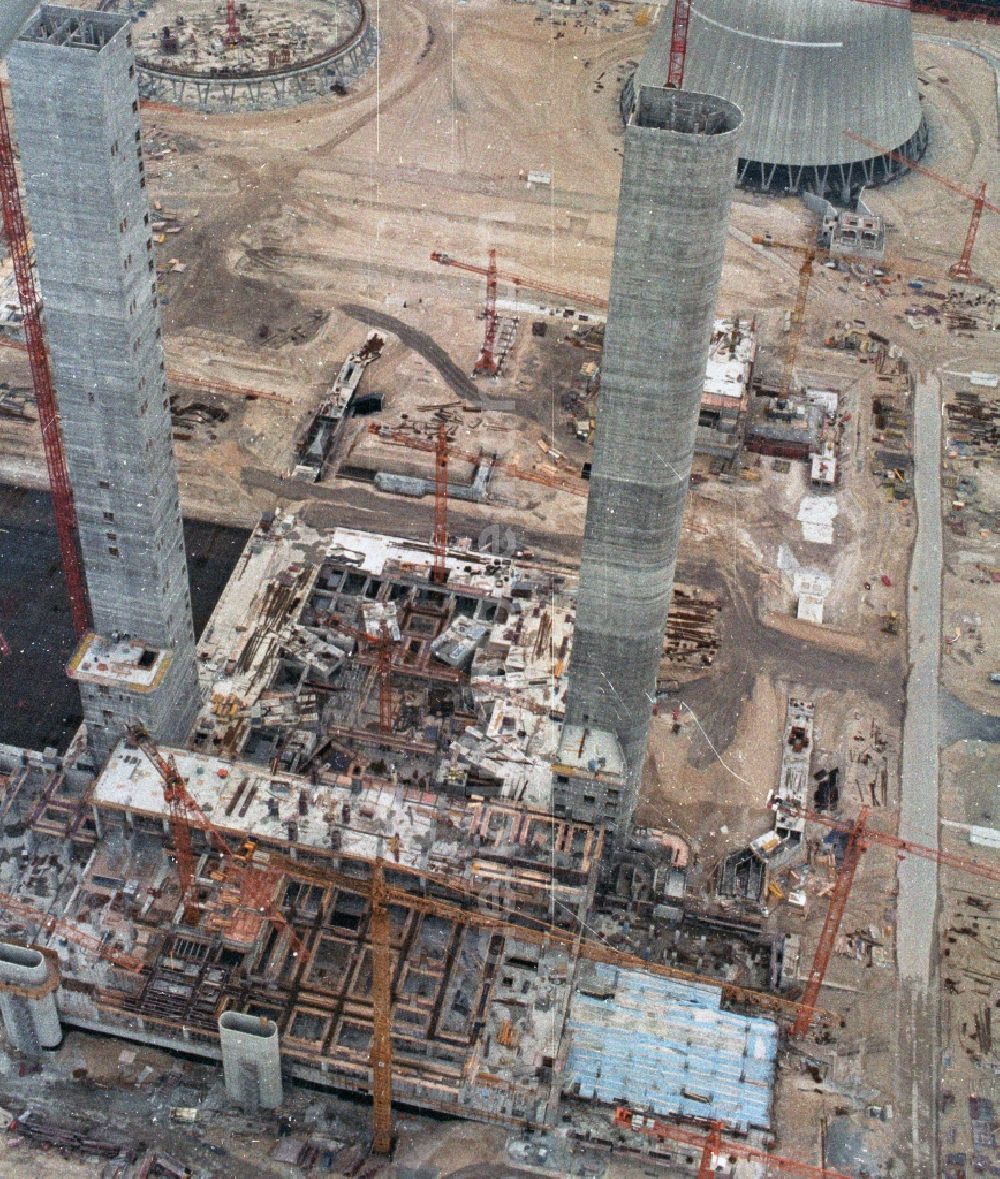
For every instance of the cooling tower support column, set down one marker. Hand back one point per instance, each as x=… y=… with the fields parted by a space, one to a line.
x=251 y=1060
x=28 y=983
x=678 y=176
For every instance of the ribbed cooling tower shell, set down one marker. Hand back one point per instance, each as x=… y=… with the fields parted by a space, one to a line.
x=803 y=72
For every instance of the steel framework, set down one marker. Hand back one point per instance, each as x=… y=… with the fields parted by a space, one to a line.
x=859 y=837
x=712 y=1145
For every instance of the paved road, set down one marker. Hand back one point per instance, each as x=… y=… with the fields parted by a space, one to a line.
x=915 y=940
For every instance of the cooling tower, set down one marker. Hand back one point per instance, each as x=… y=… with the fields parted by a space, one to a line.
x=803 y=72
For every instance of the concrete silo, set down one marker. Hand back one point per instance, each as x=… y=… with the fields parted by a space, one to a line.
x=803 y=72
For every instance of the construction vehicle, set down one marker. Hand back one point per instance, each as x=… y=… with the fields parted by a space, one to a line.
x=962 y=269
x=716 y=1150
x=860 y=836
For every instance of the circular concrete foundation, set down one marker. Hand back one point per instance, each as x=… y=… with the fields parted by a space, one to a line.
x=283 y=53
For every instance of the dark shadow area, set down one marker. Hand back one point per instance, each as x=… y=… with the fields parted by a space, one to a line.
x=39 y=706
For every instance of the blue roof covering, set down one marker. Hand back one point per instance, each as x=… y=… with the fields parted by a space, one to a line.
x=666 y=1046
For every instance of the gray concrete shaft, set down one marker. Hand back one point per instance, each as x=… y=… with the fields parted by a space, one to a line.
x=678 y=177
x=28 y=1000
x=76 y=107
x=251 y=1060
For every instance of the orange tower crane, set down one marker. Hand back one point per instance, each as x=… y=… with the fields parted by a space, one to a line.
x=859 y=837
x=714 y=1147
x=798 y=313
x=439 y=571
x=962 y=269
x=13 y=907
x=16 y=231
x=519 y=280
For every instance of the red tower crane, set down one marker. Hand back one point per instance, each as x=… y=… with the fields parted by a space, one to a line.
x=439 y=572
x=963 y=267
x=952 y=9
x=859 y=837
x=184 y=810
x=41 y=378
x=232 y=34
x=486 y=365
x=713 y=1145
x=383 y=666
x=678 y=44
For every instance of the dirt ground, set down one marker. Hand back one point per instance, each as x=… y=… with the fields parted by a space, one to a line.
x=299 y=230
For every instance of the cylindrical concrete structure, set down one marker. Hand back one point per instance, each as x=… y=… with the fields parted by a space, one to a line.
x=28 y=983
x=678 y=176
x=251 y=1060
x=803 y=72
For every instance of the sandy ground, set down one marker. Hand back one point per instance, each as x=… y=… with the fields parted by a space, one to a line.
x=291 y=222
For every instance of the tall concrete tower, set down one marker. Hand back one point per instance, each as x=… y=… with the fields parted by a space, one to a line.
x=678 y=175
x=76 y=107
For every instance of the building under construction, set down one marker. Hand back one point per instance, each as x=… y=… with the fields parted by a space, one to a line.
x=794 y=70
x=371 y=846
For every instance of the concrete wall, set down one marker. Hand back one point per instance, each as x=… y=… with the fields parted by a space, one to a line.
x=677 y=181
x=77 y=124
x=30 y=1021
x=251 y=1060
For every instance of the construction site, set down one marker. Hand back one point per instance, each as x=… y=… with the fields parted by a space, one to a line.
x=512 y=660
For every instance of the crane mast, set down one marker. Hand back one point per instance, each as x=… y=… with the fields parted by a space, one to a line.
x=962 y=269
x=859 y=836
x=713 y=1145
x=16 y=230
x=486 y=365
x=439 y=571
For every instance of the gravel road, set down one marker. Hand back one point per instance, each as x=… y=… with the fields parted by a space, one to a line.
x=918 y=877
